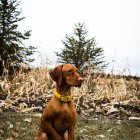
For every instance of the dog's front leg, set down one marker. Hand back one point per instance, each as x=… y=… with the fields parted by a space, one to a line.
x=71 y=133
x=50 y=130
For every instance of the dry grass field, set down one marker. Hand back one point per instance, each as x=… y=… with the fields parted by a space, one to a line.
x=106 y=104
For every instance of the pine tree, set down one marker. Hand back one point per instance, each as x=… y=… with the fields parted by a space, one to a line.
x=80 y=51
x=12 y=49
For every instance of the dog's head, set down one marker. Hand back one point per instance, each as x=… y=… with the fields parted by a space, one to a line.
x=66 y=74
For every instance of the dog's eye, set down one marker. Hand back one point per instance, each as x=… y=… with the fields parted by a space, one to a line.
x=70 y=72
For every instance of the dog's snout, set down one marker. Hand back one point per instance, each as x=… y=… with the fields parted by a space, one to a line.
x=80 y=79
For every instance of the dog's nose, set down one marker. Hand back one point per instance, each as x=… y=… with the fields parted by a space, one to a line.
x=80 y=79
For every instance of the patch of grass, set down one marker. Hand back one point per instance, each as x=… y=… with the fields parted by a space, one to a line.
x=25 y=126
x=18 y=126
x=107 y=129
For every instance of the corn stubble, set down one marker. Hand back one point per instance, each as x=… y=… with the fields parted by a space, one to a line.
x=100 y=93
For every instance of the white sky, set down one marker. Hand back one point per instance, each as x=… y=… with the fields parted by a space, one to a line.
x=114 y=23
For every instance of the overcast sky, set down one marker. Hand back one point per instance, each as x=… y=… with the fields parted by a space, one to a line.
x=114 y=23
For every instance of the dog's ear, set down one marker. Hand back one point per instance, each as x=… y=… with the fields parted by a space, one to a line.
x=56 y=74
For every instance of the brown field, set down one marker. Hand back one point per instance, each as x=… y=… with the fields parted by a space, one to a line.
x=102 y=97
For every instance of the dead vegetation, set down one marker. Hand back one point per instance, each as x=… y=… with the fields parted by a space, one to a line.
x=109 y=95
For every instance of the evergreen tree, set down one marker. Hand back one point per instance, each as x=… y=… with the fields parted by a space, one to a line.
x=80 y=51
x=12 y=49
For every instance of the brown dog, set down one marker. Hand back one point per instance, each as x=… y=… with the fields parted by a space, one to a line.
x=59 y=115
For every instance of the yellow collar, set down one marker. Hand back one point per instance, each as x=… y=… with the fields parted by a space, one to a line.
x=62 y=97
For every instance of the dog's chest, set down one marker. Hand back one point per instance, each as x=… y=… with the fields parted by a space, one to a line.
x=65 y=117
x=66 y=113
